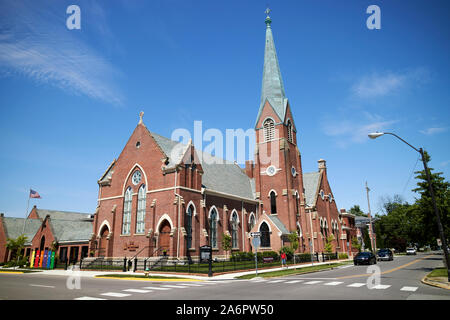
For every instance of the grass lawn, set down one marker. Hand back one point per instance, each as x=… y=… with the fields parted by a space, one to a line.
x=438 y=272
x=292 y=271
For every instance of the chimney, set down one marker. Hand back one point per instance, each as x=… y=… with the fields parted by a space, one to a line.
x=343 y=211
x=249 y=168
x=322 y=165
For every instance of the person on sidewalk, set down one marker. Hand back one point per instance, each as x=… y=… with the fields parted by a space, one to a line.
x=283 y=260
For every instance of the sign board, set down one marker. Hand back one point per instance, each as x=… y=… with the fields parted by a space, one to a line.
x=255 y=234
x=256 y=241
x=205 y=253
x=439 y=242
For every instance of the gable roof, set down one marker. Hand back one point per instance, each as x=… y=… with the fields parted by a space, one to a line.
x=277 y=222
x=311 y=183
x=63 y=215
x=14 y=226
x=218 y=174
x=71 y=230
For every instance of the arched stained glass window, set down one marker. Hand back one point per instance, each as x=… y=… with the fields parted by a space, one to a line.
x=126 y=220
x=188 y=226
x=251 y=222
x=213 y=224
x=140 y=221
x=234 y=230
x=265 y=235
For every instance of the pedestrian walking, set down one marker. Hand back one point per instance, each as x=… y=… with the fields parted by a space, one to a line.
x=283 y=259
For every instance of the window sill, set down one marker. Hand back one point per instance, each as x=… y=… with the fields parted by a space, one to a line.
x=125 y=235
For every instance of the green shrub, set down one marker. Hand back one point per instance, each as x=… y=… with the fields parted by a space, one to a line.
x=343 y=255
x=289 y=252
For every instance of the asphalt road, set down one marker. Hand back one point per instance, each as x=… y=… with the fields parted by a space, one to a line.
x=397 y=280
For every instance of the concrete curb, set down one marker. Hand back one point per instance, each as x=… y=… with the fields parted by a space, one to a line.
x=430 y=282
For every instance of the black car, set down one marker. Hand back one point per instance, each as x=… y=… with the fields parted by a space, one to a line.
x=365 y=258
x=385 y=254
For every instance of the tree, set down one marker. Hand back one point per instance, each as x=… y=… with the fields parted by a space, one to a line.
x=441 y=189
x=16 y=245
x=226 y=243
x=356 y=210
x=356 y=244
x=328 y=247
x=293 y=239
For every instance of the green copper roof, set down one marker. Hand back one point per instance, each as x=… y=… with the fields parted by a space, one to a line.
x=272 y=83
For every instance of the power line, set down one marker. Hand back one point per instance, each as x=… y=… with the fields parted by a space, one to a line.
x=409 y=179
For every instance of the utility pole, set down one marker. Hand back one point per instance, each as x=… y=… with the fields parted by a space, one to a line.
x=370 y=220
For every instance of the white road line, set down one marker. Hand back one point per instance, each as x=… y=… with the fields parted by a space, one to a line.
x=88 y=298
x=173 y=286
x=40 y=285
x=349 y=266
x=409 y=289
x=116 y=294
x=137 y=290
x=356 y=285
x=381 y=286
x=294 y=281
x=275 y=281
x=313 y=282
x=333 y=283
x=156 y=288
x=192 y=285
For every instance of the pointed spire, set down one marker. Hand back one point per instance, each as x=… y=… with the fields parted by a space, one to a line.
x=272 y=83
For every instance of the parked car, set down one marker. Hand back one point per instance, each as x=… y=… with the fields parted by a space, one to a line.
x=364 y=258
x=410 y=251
x=385 y=254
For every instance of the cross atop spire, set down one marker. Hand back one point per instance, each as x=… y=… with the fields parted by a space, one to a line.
x=268 y=20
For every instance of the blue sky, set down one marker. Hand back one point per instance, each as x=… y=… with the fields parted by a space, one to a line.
x=70 y=99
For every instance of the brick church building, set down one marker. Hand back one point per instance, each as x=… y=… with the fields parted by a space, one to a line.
x=159 y=197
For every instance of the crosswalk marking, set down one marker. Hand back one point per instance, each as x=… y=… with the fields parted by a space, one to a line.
x=174 y=286
x=313 y=282
x=409 y=289
x=333 y=283
x=192 y=285
x=137 y=290
x=294 y=281
x=275 y=281
x=356 y=285
x=381 y=286
x=116 y=294
x=88 y=298
x=156 y=288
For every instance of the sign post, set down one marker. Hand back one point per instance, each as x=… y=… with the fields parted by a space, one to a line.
x=206 y=254
x=256 y=241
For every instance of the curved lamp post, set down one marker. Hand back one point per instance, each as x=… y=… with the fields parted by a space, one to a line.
x=436 y=211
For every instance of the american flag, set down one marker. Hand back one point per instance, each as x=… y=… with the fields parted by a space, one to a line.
x=34 y=194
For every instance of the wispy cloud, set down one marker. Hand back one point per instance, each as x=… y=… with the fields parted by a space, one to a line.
x=433 y=130
x=349 y=132
x=35 y=43
x=381 y=84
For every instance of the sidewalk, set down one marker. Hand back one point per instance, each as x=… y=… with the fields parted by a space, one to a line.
x=224 y=276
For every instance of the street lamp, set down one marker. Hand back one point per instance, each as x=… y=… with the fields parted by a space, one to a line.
x=436 y=211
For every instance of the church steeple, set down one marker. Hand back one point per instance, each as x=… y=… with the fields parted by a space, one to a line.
x=272 y=83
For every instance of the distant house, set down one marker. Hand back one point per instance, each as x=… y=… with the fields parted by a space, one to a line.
x=66 y=232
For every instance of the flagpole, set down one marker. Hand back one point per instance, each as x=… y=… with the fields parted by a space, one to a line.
x=26 y=213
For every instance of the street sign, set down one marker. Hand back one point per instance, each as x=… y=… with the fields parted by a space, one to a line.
x=256 y=241
x=255 y=234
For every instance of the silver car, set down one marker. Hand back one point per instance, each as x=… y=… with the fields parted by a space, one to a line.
x=410 y=251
